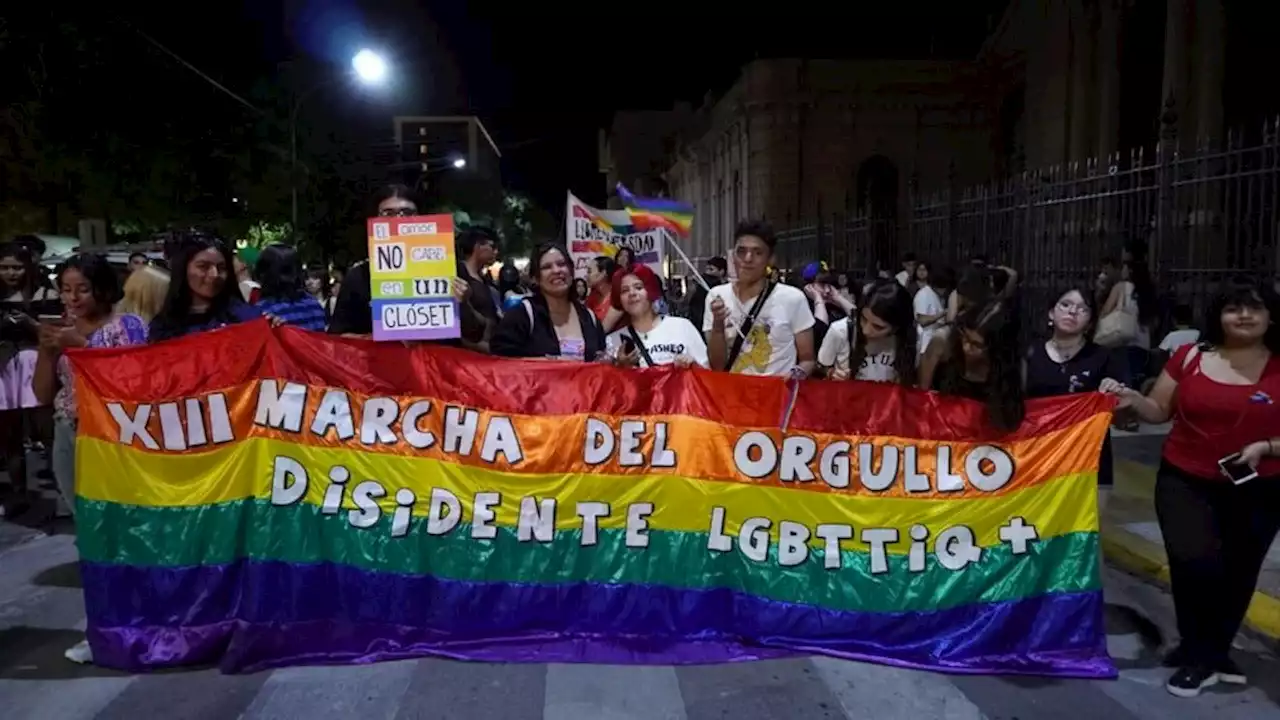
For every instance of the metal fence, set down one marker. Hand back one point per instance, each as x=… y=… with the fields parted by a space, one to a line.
x=1202 y=214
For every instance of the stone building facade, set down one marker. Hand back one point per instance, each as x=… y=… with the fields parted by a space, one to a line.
x=1056 y=82
x=795 y=139
x=1080 y=79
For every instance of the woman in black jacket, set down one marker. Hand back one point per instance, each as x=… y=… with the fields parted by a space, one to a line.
x=553 y=322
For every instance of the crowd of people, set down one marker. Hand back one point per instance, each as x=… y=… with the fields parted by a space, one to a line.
x=958 y=332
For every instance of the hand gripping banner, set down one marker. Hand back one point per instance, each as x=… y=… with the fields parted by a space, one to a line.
x=256 y=498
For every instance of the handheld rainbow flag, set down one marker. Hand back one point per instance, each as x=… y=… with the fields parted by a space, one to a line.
x=652 y=213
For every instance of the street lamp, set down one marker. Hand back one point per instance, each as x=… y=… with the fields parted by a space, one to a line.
x=459 y=163
x=369 y=66
x=370 y=69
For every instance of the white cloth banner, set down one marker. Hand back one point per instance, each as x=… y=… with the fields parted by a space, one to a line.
x=591 y=232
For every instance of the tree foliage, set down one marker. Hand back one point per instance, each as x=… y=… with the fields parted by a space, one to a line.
x=96 y=125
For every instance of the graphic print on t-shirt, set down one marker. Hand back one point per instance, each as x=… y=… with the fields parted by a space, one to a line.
x=877 y=367
x=756 y=350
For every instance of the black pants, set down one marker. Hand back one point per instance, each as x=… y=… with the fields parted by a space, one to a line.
x=1216 y=535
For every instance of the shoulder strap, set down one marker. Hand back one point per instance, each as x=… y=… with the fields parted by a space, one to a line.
x=747 y=324
x=644 y=352
x=1193 y=354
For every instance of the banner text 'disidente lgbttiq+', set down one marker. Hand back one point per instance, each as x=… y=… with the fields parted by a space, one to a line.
x=408 y=471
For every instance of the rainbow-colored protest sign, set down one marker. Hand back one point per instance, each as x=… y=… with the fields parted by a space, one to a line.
x=412 y=266
x=257 y=497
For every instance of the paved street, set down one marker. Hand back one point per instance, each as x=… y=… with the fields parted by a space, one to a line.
x=41 y=611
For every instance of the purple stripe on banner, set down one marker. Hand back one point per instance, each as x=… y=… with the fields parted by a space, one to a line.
x=412 y=319
x=254 y=615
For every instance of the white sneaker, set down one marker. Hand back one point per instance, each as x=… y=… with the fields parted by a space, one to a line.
x=79 y=653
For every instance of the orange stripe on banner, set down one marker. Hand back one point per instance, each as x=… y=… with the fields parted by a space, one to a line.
x=701 y=448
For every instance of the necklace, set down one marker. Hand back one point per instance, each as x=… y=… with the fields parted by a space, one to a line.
x=1066 y=352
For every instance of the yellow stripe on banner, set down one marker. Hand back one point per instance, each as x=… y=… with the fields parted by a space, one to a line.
x=114 y=473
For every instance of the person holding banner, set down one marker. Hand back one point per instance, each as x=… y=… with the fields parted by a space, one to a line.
x=650 y=338
x=553 y=323
x=755 y=326
x=882 y=343
x=282 y=292
x=202 y=294
x=1217 y=491
x=980 y=360
x=1071 y=362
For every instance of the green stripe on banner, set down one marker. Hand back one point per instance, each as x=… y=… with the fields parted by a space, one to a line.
x=218 y=534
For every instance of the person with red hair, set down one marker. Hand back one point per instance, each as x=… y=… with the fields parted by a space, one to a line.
x=650 y=338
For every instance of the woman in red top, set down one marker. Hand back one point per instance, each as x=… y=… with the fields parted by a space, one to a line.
x=1223 y=396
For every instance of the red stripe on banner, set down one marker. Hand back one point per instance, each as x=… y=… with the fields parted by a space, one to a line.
x=211 y=361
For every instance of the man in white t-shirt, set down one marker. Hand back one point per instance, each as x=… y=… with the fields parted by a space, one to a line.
x=779 y=341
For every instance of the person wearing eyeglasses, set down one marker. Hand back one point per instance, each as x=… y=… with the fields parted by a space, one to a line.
x=352 y=311
x=755 y=326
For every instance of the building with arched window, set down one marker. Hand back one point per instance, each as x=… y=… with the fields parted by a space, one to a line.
x=795 y=140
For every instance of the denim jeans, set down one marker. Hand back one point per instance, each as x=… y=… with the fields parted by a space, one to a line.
x=64 y=460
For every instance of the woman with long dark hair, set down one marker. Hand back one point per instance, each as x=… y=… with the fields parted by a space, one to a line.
x=651 y=338
x=881 y=346
x=317 y=286
x=625 y=258
x=980 y=360
x=203 y=294
x=1217 y=491
x=283 y=294
x=553 y=322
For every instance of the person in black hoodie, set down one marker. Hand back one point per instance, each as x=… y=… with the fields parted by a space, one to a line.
x=553 y=322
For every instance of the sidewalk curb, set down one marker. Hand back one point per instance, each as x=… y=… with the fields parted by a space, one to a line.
x=1142 y=557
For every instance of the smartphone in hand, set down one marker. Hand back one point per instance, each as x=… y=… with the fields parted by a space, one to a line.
x=1238 y=472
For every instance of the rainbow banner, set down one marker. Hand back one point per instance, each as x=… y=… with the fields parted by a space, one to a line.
x=256 y=498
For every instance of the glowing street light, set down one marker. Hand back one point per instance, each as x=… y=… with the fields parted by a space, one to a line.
x=369 y=66
x=371 y=69
x=459 y=163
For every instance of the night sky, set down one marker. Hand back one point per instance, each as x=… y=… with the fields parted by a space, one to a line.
x=543 y=80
